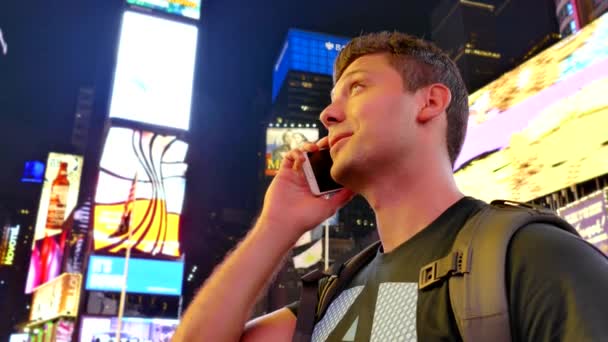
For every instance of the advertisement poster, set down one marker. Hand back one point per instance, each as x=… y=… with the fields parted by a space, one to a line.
x=78 y=225
x=57 y=200
x=279 y=141
x=150 y=169
x=106 y=273
x=58 y=297
x=183 y=8
x=588 y=216
x=103 y=329
x=154 y=71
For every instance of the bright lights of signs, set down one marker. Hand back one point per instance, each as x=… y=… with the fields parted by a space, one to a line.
x=8 y=245
x=154 y=71
x=279 y=141
x=146 y=276
x=103 y=329
x=58 y=199
x=185 y=8
x=33 y=172
x=308 y=52
x=159 y=163
x=59 y=297
x=543 y=124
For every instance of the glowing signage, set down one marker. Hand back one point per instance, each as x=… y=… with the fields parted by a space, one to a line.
x=541 y=127
x=279 y=141
x=57 y=200
x=184 y=8
x=154 y=71
x=134 y=329
x=33 y=172
x=146 y=276
x=58 y=297
x=8 y=245
x=307 y=52
x=158 y=161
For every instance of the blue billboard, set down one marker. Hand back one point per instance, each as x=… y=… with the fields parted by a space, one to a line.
x=308 y=52
x=33 y=172
x=145 y=276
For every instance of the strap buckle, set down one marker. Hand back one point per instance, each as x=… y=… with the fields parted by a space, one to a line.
x=454 y=263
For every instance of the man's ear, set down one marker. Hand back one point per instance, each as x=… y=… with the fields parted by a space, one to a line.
x=437 y=98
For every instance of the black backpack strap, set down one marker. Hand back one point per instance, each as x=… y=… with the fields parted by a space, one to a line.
x=476 y=268
x=314 y=303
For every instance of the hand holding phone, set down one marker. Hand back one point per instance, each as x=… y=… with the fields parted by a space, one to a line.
x=317 y=169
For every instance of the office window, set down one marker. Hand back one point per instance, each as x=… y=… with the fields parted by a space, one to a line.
x=573 y=26
x=570 y=9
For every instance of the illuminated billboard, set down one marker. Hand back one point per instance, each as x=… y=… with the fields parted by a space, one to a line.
x=589 y=216
x=57 y=200
x=308 y=52
x=103 y=329
x=58 y=297
x=33 y=172
x=183 y=8
x=153 y=167
x=541 y=127
x=154 y=71
x=146 y=276
x=279 y=141
x=9 y=239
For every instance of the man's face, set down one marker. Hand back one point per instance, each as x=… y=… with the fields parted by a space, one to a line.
x=371 y=120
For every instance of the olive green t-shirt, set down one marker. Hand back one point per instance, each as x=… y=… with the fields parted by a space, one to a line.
x=556 y=283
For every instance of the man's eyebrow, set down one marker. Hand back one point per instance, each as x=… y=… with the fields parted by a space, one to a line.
x=347 y=75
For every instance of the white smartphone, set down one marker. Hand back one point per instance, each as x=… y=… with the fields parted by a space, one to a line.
x=317 y=167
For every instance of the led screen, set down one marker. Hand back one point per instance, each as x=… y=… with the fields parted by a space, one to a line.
x=158 y=192
x=184 y=8
x=33 y=172
x=279 y=141
x=308 y=52
x=58 y=198
x=9 y=238
x=147 y=276
x=103 y=329
x=154 y=71
x=541 y=127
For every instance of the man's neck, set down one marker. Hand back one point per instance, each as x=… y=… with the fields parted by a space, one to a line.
x=405 y=203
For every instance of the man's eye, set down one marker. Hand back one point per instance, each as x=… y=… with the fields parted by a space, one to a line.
x=355 y=87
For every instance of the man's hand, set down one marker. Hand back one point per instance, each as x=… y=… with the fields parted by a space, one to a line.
x=289 y=203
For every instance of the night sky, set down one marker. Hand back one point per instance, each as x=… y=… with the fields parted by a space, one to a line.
x=55 y=49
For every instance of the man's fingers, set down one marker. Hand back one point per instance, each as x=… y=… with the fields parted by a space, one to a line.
x=323 y=143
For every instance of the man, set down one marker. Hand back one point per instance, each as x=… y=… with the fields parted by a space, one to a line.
x=396 y=125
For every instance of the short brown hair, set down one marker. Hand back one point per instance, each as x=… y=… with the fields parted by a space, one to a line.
x=421 y=64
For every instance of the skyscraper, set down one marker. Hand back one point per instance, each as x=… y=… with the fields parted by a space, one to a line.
x=489 y=37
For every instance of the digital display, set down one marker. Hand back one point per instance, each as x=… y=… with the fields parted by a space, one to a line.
x=152 y=167
x=154 y=71
x=541 y=127
x=146 y=276
x=308 y=52
x=33 y=172
x=58 y=297
x=9 y=238
x=57 y=200
x=589 y=216
x=103 y=329
x=183 y=8
x=279 y=141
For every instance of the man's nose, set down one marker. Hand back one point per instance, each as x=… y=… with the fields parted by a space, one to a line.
x=332 y=114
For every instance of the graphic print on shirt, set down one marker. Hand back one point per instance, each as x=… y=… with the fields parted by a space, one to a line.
x=395 y=313
x=336 y=311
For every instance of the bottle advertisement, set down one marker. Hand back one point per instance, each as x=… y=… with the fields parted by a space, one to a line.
x=57 y=200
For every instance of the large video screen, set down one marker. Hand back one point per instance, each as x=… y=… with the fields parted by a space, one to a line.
x=149 y=169
x=183 y=8
x=134 y=329
x=542 y=126
x=146 y=276
x=57 y=200
x=308 y=52
x=154 y=71
x=279 y=141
